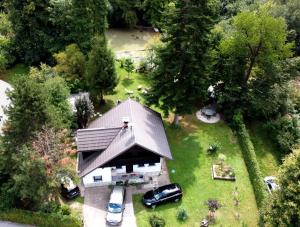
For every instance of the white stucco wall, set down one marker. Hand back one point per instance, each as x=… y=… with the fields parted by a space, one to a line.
x=88 y=180
x=123 y=170
x=4 y=101
x=154 y=169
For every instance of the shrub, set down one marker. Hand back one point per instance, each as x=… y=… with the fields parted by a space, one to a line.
x=156 y=221
x=284 y=132
x=39 y=219
x=65 y=210
x=213 y=148
x=181 y=214
x=250 y=159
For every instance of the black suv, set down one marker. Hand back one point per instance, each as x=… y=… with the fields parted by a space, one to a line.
x=68 y=189
x=163 y=194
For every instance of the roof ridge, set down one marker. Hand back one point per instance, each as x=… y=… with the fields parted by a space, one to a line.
x=95 y=129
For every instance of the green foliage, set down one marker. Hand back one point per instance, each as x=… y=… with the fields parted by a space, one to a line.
x=156 y=221
x=283 y=208
x=84 y=110
x=284 y=131
x=101 y=74
x=30 y=26
x=128 y=66
x=250 y=62
x=51 y=207
x=88 y=20
x=180 y=73
x=181 y=214
x=250 y=159
x=213 y=148
x=39 y=99
x=154 y=11
x=71 y=64
x=28 y=181
x=6 y=35
x=39 y=219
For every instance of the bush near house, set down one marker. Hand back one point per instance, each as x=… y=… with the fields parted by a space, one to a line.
x=250 y=159
x=39 y=219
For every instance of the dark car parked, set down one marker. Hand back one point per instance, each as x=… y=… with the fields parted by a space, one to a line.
x=163 y=194
x=68 y=189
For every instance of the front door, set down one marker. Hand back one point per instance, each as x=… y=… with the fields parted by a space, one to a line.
x=129 y=168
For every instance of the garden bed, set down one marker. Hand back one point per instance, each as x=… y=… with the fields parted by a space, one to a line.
x=225 y=173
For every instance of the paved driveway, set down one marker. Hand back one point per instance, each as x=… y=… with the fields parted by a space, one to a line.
x=94 y=209
x=10 y=224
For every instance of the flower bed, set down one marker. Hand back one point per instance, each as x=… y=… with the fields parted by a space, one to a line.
x=220 y=172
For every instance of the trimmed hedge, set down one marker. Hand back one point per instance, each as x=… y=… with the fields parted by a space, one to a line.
x=39 y=219
x=250 y=159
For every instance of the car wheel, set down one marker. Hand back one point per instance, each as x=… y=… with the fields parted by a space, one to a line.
x=176 y=200
x=153 y=206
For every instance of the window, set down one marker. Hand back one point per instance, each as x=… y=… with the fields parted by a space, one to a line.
x=151 y=164
x=140 y=165
x=118 y=166
x=97 y=178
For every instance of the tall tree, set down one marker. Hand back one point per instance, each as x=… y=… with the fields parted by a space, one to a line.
x=180 y=76
x=30 y=23
x=283 y=207
x=250 y=59
x=100 y=70
x=89 y=18
x=84 y=110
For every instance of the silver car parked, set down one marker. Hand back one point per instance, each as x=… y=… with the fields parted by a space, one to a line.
x=116 y=206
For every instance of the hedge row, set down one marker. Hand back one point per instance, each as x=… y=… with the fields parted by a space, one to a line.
x=250 y=160
x=39 y=219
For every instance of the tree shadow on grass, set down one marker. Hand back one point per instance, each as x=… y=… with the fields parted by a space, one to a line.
x=127 y=82
x=103 y=108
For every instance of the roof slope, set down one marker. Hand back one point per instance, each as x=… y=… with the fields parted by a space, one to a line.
x=95 y=139
x=145 y=129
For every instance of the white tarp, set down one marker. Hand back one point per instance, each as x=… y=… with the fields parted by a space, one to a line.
x=4 y=101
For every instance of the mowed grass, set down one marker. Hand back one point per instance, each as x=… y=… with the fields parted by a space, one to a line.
x=267 y=153
x=192 y=168
x=125 y=84
x=12 y=74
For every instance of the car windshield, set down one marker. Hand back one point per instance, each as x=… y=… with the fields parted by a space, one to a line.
x=158 y=195
x=114 y=208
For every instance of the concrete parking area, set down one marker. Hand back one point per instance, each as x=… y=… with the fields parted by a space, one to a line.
x=94 y=209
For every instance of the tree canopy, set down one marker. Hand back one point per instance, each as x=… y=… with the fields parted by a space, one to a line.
x=283 y=207
x=101 y=74
x=180 y=76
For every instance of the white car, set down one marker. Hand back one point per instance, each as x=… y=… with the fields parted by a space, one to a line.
x=271 y=184
x=116 y=206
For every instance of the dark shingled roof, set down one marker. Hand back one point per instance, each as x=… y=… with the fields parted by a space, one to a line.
x=95 y=139
x=145 y=129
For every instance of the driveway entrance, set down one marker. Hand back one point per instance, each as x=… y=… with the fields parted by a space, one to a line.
x=94 y=209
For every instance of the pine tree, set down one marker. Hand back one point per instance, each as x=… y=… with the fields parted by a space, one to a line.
x=100 y=70
x=180 y=76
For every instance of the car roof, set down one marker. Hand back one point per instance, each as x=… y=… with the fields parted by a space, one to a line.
x=117 y=195
x=169 y=188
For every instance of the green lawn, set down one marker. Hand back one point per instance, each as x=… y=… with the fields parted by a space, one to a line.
x=13 y=73
x=267 y=154
x=192 y=166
